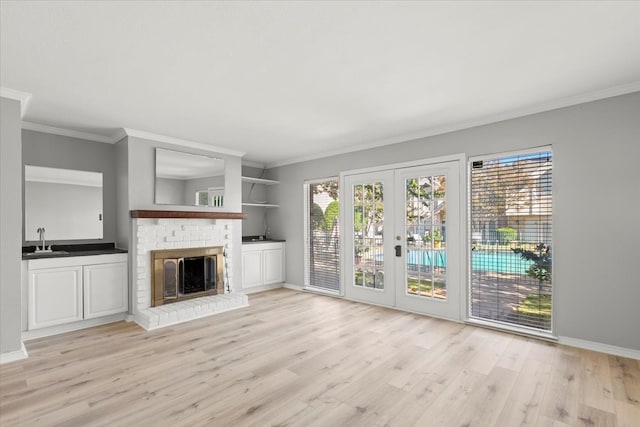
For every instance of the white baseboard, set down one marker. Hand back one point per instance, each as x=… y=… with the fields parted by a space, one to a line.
x=255 y=289
x=70 y=327
x=602 y=348
x=13 y=356
x=294 y=287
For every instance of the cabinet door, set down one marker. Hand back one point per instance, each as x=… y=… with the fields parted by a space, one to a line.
x=251 y=269
x=105 y=289
x=55 y=296
x=273 y=271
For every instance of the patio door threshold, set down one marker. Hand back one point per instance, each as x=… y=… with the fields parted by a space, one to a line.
x=507 y=327
x=320 y=290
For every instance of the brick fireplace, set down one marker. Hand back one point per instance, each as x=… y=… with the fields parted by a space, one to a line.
x=161 y=233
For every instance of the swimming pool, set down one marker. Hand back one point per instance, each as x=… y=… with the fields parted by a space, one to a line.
x=499 y=261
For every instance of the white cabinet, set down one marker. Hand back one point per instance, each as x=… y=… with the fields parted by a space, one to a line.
x=252 y=269
x=64 y=290
x=262 y=264
x=273 y=268
x=55 y=296
x=105 y=289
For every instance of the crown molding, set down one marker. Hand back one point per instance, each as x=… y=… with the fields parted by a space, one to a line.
x=439 y=130
x=182 y=142
x=16 y=95
x=118 y=135
x=67 y=132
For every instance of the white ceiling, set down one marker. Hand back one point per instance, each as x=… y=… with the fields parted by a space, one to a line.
x=285 y=81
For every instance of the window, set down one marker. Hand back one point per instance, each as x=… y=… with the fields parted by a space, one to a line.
x=213 y=197
x=322 y=235
x=511 y=233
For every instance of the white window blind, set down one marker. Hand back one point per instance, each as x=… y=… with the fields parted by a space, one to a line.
x=323 y=235
x=511 y=234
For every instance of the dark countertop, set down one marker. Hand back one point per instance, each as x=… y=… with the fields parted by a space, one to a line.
x=246 y=240
x=65 y=251
x=251 y=242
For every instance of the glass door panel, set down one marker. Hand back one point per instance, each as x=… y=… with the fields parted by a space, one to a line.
x=366 y=214
x=424 y=222
x=368 y=231
x=427 y=273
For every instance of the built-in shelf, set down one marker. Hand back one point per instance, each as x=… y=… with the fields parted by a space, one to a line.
x=259 y=180
x=262 y=205
x=187 y=214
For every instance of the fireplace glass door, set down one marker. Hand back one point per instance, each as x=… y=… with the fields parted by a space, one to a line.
x=170 y=278
x=186 y=273
x=197 y=274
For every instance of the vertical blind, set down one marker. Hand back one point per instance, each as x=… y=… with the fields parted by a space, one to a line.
x=511 y=233
x=323 y=235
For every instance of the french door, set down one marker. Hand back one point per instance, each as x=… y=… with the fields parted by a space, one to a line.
x=369 y=242
x=402 y=241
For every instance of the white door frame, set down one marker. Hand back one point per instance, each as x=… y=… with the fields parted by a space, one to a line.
x=385 y=296
x=462 y=226
x=447 y=308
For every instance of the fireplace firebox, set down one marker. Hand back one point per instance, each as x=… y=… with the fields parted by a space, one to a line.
x=180 y=274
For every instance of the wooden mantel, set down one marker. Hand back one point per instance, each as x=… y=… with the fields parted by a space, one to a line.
x=187 y=214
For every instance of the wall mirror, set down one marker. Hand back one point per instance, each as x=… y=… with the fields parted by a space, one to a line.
x=66 y=203
x=186 y=179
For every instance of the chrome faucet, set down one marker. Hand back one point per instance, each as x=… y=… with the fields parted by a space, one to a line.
x=41 y=231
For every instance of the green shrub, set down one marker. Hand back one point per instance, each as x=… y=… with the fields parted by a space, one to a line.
x=317 y=217
x=330 y=214
x=506 y=235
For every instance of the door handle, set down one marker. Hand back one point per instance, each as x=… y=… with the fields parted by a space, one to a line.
x=398 y=250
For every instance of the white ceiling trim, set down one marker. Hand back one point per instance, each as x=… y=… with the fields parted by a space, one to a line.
x=16 y=95
x=118 y=135
x=548 y=106
x=67 y=132
x=182 y=142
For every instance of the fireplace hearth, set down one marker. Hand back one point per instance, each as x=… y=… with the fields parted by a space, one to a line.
x=179 y=274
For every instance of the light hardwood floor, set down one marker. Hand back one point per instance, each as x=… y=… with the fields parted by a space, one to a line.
x=299 y=359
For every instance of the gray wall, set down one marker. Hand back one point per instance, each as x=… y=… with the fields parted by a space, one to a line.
x=10 y=225
x=123 y=228
x=596 y=150
x=43 y=149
